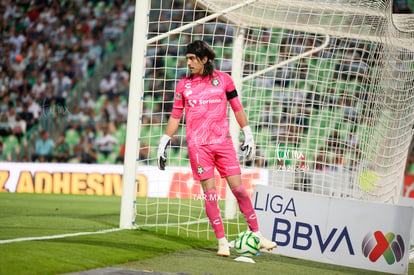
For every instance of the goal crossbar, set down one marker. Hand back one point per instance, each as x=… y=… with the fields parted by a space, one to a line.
x=200 y=21
x=287 y=13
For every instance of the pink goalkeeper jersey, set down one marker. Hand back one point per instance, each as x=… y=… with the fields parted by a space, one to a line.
x=205 y=102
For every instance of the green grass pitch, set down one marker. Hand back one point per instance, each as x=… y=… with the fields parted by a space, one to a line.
x=36 y=215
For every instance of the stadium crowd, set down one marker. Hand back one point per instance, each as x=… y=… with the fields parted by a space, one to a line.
x=50 y=46
x=47 y=48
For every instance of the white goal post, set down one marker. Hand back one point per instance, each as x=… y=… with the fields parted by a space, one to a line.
x=328 y=88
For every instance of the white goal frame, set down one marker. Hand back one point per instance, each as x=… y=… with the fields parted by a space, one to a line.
x=136 y=92
x=127 y=217
x=128 y=211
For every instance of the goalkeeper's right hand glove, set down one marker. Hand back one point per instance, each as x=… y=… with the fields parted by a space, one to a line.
x=161 y=155
x=248 y=147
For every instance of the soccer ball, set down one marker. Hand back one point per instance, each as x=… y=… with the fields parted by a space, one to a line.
x=247 y=244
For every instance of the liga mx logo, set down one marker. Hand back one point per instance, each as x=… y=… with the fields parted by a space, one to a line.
x=390 y=246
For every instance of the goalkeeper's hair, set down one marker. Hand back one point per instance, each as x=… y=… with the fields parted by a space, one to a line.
x=201 y=49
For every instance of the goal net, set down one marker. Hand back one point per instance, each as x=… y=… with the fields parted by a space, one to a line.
x=327 y=87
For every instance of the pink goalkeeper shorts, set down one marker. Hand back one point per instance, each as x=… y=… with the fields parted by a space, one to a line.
x=205 y=158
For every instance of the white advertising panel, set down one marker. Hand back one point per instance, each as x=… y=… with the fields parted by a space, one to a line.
x=337 y=231
x=99 y=179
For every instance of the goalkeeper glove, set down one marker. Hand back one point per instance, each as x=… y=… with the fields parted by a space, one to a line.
x=248 y=146
x=161 y=155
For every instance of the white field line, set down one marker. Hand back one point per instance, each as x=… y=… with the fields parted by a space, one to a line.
x=58 y=236
x=61 y=236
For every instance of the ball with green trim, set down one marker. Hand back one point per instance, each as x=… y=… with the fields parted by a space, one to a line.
x=247 y=244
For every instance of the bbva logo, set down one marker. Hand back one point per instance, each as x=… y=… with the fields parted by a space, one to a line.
x=390 y=246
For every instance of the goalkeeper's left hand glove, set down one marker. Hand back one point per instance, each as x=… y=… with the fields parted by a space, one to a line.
x=248 y=147
x=161 y=155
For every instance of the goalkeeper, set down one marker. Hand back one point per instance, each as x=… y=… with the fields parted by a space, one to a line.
x=204 y=95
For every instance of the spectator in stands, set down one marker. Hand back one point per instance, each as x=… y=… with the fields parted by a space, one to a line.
x=11 y=114
x=121 y=154
x=350 y=109
x=119 y=73
x=19 y=106
x=45 y=102
x=226 y=64
x=335 y=142
x=123 y=87
x=87 y=103
x=32 y=70
x=16 y=83
x=352 y=141
x=24 y=98
x=119 y=63
x=78 y=149
x=5 y=128
x=62 y=149
x=16 y=38
x=18 y=65
x=105 y=143
x=95 y=51
x=61 y=85
x=103 y=119
x=91 y=120
x=90 y=155
x=110 y=109
x=75 y=119
x=107 y=86
x=18 y=127
x=321 y=160
x=267 y=117
x=38 y=88
x=120 y=108
x=5 y=103
x=302 y=118
x=43 y=39
x=4 y=82
x=44 y=148
x=81 y=64
x=157 y=114
x=27 y=116
x=144 y=153
x=25 y=88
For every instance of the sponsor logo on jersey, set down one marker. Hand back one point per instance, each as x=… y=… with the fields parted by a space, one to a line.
x=193 y=102
x=210 y=101
x=177 y=96
x=187 y=93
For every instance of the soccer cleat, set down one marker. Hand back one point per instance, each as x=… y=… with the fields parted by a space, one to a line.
x=265 y=243
x=223 y=249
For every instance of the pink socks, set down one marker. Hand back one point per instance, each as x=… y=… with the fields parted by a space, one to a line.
x=213 y=212
x=246 y=207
